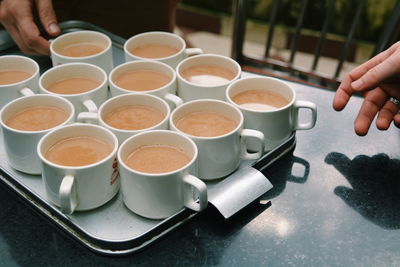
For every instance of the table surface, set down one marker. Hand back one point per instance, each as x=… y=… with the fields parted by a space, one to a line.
x=335 y=201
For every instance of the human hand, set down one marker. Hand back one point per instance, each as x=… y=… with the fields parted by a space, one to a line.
x=17 y=18
x=379 y=78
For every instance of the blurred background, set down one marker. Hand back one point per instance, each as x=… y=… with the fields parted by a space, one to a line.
x=209 y=24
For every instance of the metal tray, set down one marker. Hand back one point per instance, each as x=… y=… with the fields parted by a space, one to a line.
x=113 y=229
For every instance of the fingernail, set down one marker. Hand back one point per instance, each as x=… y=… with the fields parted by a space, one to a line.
x=356 y=84
x=53 y=28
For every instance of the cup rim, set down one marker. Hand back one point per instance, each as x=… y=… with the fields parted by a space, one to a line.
x=150 y=33
x=219 y=102
x=103 y=83
x=156 y=175
x=55 y=165
x=115 y=98
x=36 y=73
x=243 y=80
x=70 y=117
x=66 y=35
x=179 y=66
x=138 y=62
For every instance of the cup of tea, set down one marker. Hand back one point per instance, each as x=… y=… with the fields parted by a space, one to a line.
x=217 y=129
x=85 y=85
x=19 y=76
x=206 y=77
x=130 y=114
x=155 y=182
x=83 y=46
x=144 y=76
x=25 y=120
x=165 y=47
x=79 y=166
x=270 y=106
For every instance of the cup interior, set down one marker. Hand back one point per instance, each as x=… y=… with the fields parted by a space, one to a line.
x=157 y=137
x=134 y=99
x=33 y=101
x=73 y=70
x=142 y=65
x=149 y=38
x=80 y=37
x=216 y=106
x=76 y=130
x=8 y=63
x=264 y=84
x=209 y=59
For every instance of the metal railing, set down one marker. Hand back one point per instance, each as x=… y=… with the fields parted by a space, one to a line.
x=389 y=35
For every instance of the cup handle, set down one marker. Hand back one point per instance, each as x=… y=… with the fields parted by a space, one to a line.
x=190 y=182
x=173 y=99
x=88 y=117
x=90 y=105
x=193 y=51
x=246 y=134
x=68 y=195
x=26 y=92
x=307 y=105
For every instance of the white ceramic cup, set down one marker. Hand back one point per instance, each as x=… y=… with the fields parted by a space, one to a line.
x=276 y=124
x=159 y=196
x=192 y=91
x=26 y=87
x=163 y=38
x=167 y=92
x=83 y=187
x=21 y=145
x=126 y=100
x=104 y=59
x=86 y=101
x=220 y=155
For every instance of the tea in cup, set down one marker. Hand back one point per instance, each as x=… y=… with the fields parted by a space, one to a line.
x=217 y=129
x=85 y=85
x=19 y=76
x=129 y=114
x=79 y=166
x=83 y=46
x=141 y=76
x=206 y=77
x=270 y=106
x=25 y=120
x=165 y=47
x=155 y=182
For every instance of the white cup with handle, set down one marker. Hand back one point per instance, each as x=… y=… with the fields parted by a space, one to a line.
x=155 y=186
x=85 y=85
x=89 y=178
x=217 y=129
x=270 y=106
x=19 y=76
x=165 y=47
x=83 y=46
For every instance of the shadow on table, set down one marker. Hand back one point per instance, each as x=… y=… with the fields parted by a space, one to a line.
x=289 y=169
x=375 y=186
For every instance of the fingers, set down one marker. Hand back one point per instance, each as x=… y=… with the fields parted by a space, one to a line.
x=377 y=70
x=48 y=17
x=31 y=37
x=386 y=115
x=343 y=94
x=17 y=18
x=373 y=102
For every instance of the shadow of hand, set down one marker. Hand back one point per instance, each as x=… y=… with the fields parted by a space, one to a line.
x=375 y=186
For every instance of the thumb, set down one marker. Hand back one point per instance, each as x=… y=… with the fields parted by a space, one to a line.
x=48 y=17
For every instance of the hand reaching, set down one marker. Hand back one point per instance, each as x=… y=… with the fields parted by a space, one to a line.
x=379 y=79
x=17 y=18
